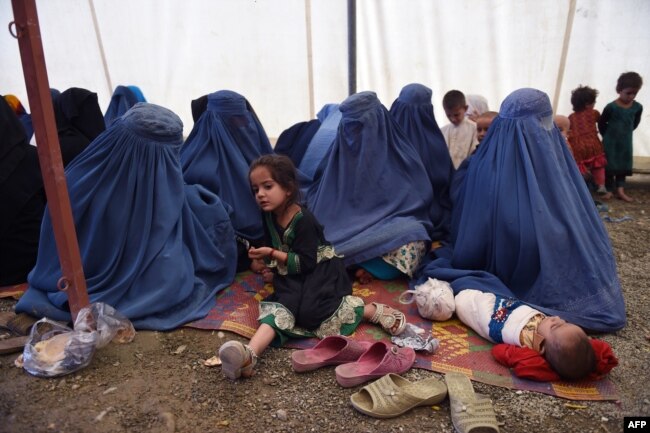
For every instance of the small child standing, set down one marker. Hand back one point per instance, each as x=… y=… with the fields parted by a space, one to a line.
x=312 y=291
x=483 y=123
x=460 y=135
x=587 y=148
x=565 y=346
x=619 y=119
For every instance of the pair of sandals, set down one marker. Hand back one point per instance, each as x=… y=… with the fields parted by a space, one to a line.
x=393 y=395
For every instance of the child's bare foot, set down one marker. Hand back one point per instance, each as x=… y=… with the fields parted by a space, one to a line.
x=363 y=276
x=622 y=196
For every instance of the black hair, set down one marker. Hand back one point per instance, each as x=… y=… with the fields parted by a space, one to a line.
x=282 y=171
x=629 y=79
x=583 y=96
x=453 y=99
x=572 y=361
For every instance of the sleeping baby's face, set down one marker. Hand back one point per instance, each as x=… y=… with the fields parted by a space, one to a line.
x=556 y=330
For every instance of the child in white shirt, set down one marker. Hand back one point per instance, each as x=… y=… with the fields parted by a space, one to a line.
x=460 y=134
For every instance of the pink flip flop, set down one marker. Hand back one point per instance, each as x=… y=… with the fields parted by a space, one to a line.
x=332 y=350
x=379 y=360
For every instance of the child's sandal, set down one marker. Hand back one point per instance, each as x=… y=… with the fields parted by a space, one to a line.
x=394 y=322
x=237 y=360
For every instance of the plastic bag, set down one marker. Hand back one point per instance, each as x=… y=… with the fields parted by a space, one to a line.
x=54 y=349
x=434 y=298
x=413 y=337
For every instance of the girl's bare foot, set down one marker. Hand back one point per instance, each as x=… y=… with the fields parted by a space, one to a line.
x=622 y=196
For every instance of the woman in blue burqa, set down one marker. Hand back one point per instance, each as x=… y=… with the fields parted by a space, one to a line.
x=124 y=97
x=373 y=195
x=217 y=153
x=413 y=111
x=525 y=226
x=155 y=249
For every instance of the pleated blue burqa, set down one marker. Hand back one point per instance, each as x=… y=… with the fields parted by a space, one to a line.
x=156 y=250
x=413 y=111
x=373 y=194
x=525 y=225
x=213 y=157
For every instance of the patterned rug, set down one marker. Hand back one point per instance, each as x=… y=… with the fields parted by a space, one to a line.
x=460 y=349
x=14 y=291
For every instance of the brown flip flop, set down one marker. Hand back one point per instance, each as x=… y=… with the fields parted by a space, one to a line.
x=12 y=345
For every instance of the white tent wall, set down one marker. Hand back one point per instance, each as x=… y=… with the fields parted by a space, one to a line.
x=289 y=57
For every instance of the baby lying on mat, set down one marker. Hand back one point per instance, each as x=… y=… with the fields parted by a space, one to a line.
x=565 y=347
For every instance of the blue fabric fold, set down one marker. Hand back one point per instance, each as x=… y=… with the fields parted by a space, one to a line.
x=373 y=194
x=156 y=250
x=413 y=111
x=212 y=156
x=330 y=117
x=525 y=221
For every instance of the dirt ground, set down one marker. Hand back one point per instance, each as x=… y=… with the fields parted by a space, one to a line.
x=158 y=383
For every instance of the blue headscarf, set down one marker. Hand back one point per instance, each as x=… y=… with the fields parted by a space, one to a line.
x=211 y=157
x=373 y=195
x=330 y=117
x=525 y=216
x=122 y=100
x=154 y=249
x=413 y=111
x=243 y=124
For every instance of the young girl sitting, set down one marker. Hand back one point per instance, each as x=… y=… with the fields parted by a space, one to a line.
x=587 y=148
x=620 y=118
x=312 y=291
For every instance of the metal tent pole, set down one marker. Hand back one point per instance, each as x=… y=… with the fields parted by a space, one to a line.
x=28 y=33
x=352 y=47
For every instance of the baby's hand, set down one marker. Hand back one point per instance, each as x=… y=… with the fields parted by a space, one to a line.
x=258 y=266
x=259 y=253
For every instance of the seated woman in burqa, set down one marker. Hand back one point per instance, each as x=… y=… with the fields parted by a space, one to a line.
x=22 y=199
x=240 y=120
x=216 y=155
x=152 y=247
x=413 y=111
x=372 y=192
x=79 y=120
x=124 y=97
x=524 y=224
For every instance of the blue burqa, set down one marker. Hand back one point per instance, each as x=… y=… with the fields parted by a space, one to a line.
x=211 y=157
x=156 y=250
x=124 y=97
x=525 y=226
x=319 y=145
x=242 y=123
x=413 y=111
x=373 y=194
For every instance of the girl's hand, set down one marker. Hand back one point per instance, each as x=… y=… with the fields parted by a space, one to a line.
x=259 y=253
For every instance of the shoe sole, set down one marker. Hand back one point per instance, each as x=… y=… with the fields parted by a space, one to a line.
x=232 y=358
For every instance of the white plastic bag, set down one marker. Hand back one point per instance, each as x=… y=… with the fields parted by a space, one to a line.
x=434 y=298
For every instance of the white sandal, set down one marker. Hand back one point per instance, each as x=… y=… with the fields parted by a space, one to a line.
x=388 y=321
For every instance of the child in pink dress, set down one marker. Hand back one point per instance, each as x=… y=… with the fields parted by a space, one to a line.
x=587 y=148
